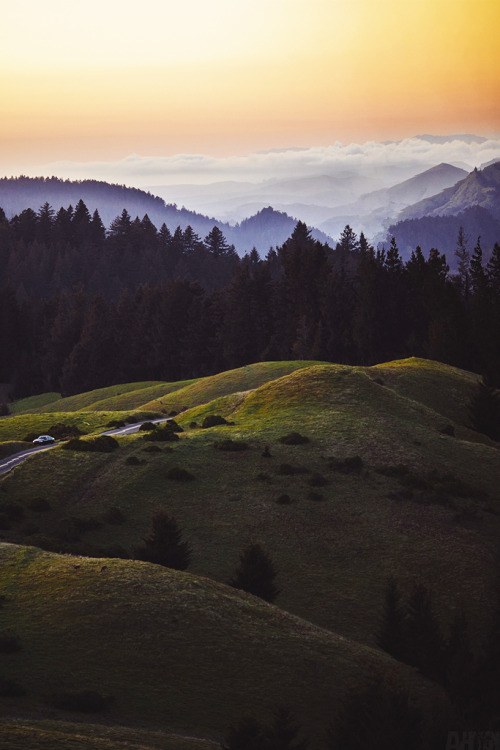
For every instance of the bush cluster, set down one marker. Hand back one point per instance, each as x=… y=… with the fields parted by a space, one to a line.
x=100 y=444
x=294 y=438
x=213 y=420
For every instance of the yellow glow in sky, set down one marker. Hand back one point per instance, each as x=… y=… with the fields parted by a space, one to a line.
x=108 y=78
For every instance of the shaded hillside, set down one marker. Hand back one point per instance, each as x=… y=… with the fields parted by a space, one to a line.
x=192 y=655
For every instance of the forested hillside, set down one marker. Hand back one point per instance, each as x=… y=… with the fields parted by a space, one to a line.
x=83 y=308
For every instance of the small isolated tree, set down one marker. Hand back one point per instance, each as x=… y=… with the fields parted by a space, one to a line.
x=392 y=635
x=164 y=546
x=256 y=574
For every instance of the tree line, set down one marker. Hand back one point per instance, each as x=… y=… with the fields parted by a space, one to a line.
x=82 y=307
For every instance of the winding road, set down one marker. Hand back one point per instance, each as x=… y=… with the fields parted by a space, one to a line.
x=17 y=458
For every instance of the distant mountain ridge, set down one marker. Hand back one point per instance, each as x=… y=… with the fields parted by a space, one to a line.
x=479 y=188
x=266 y=228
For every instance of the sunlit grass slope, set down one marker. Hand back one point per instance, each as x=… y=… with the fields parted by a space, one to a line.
x=170 y=648
x=127 y=396
x=334 y=536
x=226 y=383
x=33 y=403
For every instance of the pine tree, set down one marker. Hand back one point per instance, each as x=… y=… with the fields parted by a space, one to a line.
x=164 y=546
x=463 y=257
x=256 y=573
x=393 y=637
x=485 y=410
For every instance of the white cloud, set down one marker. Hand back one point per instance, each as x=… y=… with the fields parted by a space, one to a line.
x=391 y=161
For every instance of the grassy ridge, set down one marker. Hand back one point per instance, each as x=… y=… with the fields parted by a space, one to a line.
x=86 y=401
x=172 y=648
x=340 y=535
x=20 y=734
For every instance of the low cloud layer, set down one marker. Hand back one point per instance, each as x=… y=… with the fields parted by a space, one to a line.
x=392 y=161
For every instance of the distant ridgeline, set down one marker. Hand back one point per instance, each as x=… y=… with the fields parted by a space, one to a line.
x=82 y=307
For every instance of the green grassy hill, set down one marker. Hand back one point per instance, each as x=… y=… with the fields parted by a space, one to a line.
x=172 y=649
x=421 y=504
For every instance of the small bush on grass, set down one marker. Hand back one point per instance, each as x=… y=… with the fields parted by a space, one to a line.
x=448 y=430
x=256 y=573
x=9 y=643
x=133 y=461
x=349 y=465
x=177 y=474
x=193 y=425
x=86 y=701
x=100 y=444
x=116 y=423
x=10 y=689
x=60 y=430
x=213 y=420
x=283 y=500
x=231 y=445
x=39 y=505
x=162 y=435
x=113 y=516
x=293 y=438
x=145 y=426
x=132 y=419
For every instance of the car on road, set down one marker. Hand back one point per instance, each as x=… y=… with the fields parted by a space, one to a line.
x=42 y=439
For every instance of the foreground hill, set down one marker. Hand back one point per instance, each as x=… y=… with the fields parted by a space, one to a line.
x=171 y=649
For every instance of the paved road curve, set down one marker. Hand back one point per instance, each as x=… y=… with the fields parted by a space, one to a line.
x=17 y=458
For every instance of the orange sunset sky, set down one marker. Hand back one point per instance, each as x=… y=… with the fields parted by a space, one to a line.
x=105 y=79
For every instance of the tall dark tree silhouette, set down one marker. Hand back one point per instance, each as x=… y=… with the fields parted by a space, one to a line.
x=164 y=546
x=256 y=573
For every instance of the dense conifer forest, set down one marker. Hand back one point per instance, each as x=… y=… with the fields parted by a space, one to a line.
x=82 y=307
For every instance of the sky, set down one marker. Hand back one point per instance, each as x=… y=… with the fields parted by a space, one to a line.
x=108 y=81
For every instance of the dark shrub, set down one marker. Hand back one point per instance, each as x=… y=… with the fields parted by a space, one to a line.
x=104 y=444
x=193 y=425
x=350 y=465
x=378 y=381
x=86 y=701
x=39 y=505
x=113 y=516
x=266 y=453
x=61 y=430
x=132 y=419
x=152 y=449
x=288 y=470
x=294 y=438
x=9 y=643
x=116 y=423
x=162 y=435
x=4 y=410
x=283 y=500
x=448 y=430
x=77 y=445
x=230 y=445
x=315 y=496
x=145 y=426
x=10 y=689
x=179 y=475
x=173 y=426
x=133 y=461
x=212 y=421
x=172 y=413
x=317 y=480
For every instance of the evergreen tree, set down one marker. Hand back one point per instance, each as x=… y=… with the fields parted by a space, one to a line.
x=164 y=546
x=425 y=641
x=463 y=257
x=485 y=410
x=256 y=573
x=393 y=636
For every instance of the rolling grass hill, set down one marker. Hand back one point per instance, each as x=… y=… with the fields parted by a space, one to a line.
x=419 y=499
x=172 y=649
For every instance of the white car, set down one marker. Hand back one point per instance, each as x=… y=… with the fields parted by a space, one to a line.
x=42 y=439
